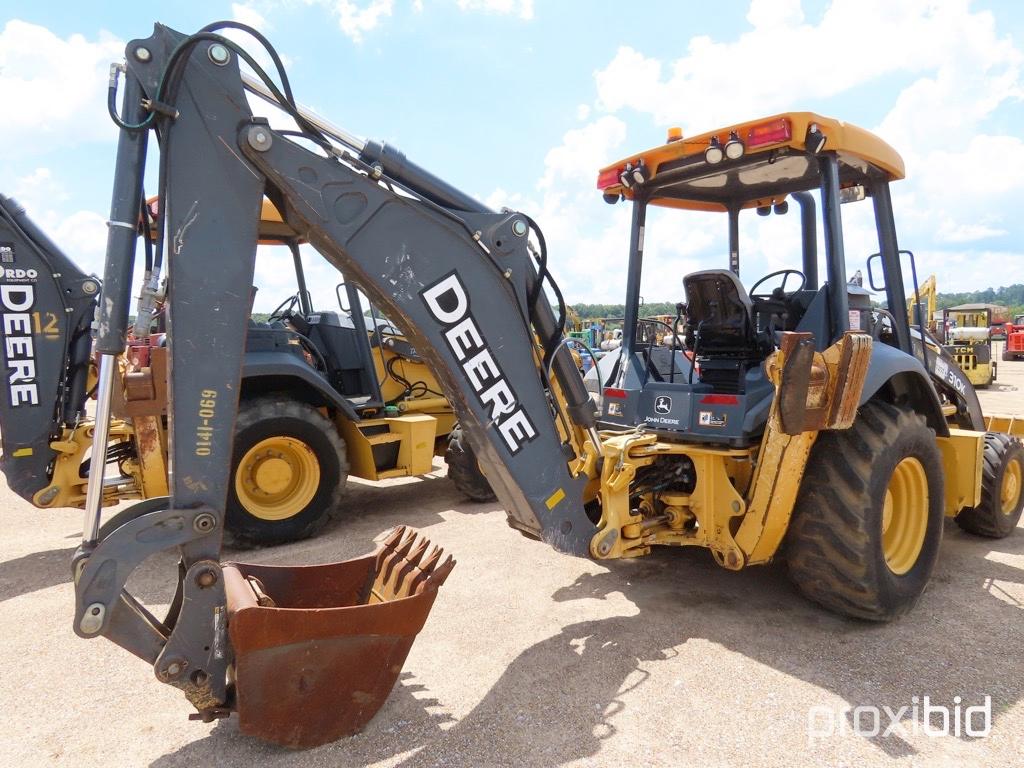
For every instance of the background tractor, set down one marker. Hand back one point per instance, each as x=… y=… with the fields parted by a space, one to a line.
x=324 y=395
x=1014 y=348
x=968 y=338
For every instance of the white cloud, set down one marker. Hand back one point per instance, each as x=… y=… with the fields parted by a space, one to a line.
x=721 y=82
x=355 y=19
x=39 y=189
x=964 y=233
x=82 y=235
x=54 y=88
x=765 y=14
x=521 y=8
x=963 y=179
x=246 y=14
x=582 y=152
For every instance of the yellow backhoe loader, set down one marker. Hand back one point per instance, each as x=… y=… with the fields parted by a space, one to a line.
x=792 y=417
x=324 y=395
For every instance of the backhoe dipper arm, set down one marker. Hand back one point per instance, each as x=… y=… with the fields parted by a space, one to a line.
x=209 y=191
x=461 y=282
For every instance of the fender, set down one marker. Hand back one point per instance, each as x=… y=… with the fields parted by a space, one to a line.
x=900 y=374
x=285 y=365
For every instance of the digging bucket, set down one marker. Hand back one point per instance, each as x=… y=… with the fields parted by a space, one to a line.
x=318 y=648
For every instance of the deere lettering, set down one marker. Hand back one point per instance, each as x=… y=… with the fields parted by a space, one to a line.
x=19 y=351
x=448 y=302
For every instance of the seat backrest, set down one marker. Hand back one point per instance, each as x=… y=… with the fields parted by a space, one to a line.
x=718 y=307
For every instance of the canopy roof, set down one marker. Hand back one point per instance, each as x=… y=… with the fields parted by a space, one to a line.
x=776 y=161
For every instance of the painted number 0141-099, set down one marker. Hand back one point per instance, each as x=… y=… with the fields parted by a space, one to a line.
x=204 y=432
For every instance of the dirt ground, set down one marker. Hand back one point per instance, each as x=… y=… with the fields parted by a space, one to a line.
x=535 y=658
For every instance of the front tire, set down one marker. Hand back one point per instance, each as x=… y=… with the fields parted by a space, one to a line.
x=288 y=472
x=1002 y=492
x=868 y=519
x=464 y=470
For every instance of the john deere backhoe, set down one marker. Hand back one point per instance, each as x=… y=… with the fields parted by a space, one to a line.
x=808 y=423
x=324 y=395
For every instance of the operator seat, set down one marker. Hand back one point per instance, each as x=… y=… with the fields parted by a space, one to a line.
x=721 y=330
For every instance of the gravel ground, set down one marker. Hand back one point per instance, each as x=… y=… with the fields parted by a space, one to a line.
x=534 y=658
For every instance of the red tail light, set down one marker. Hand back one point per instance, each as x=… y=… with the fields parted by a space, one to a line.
x=771 y=132
x=609 y=178
x=719 y=400
x=618 y=394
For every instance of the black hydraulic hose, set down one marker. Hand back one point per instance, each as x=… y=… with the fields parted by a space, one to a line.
x=166 y=94
x=550 y=344
x=147 y=225
x=696 y=345
x=255 y=33
x=675 y=326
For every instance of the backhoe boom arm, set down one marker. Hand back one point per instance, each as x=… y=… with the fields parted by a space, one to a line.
x=458 y=278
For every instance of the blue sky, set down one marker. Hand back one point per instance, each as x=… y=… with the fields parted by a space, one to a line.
x=519 y=102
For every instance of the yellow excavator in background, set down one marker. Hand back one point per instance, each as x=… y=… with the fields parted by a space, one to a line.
x=921 y=305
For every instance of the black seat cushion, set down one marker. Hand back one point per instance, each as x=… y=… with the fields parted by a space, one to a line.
x=720 y=311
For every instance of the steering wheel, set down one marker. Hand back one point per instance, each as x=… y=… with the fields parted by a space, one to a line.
x=284 y=308
x=779 y=293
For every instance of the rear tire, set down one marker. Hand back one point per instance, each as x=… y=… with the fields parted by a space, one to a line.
x=288 y=472
x=464 y=470
x=1002 y=495
x=868 y=519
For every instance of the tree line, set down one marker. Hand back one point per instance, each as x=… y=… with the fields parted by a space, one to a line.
x=1009 y=296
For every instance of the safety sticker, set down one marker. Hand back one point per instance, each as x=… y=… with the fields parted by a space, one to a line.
x=711 y=419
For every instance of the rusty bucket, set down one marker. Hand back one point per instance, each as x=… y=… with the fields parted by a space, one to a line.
x=318 y=648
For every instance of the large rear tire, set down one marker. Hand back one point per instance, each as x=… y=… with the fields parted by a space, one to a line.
x=464 y=470
x=868 y=519
x=1002 y=489
x=288 y=472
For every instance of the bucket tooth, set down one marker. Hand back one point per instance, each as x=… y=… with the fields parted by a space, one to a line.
x=395 y=554
x=394 y=536
x=408 y=567
x=426 y=568
x=440 y=576
x=318 y=648
x=417 y=554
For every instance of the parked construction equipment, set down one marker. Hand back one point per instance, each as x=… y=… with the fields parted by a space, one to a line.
x=968 y=334
x=1014 y=347
x=322 y=397
x=808 y=422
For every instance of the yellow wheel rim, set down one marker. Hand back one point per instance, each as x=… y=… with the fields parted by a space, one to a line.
x=277 y=478
x=1009 y=493
x=905 y=516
